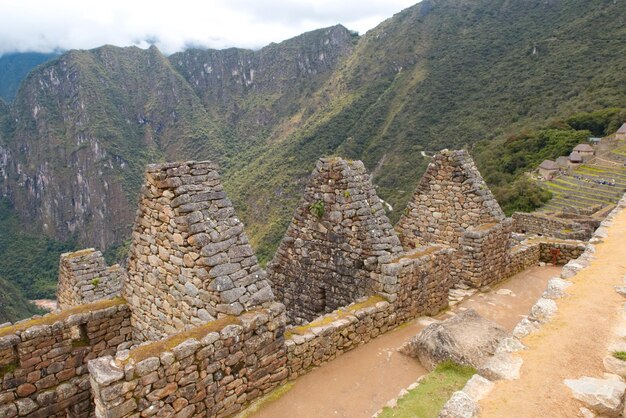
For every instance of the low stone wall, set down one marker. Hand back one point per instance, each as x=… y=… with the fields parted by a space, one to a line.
x=423 y=281
x=484 y=254
x=212 y=370
x=535 y=250
x=43 y=361
x=564 y=251
x=84 y=277
x=553 y=226
x=523 y=256
x=329 y=336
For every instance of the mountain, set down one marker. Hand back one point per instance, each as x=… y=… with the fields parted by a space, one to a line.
x=13 y=305
x=14 y=68
x=443 y=73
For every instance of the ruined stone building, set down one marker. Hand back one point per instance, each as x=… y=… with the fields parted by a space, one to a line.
x=337 y=236
x=196 y=328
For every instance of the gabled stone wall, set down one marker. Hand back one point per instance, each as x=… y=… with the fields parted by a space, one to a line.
x=43 y=361
x=451 y=197
x=84 y=277
x=190 y=260
x=452 y=205
x=337 y=238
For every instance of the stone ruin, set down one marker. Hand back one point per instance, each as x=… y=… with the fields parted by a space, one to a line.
x=84 y=277
x=334 y=242
x=190 y=261
x=453 y=206
x=196 y=330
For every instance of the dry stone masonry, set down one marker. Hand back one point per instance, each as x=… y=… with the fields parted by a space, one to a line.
x=337 y=238
x=558 y=225
x=43 y=362
x=212 y=371
x=450 y=198
x=199 y=333
x=84 y=278
x=452 y=205
x=190 y=260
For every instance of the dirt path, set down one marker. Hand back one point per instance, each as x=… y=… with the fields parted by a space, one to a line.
x=573 y=344
x=360 y=382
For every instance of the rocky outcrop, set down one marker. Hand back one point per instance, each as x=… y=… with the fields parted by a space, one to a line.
x=467 y=338
x=603 y=396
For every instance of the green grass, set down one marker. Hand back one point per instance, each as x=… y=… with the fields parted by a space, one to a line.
x=432 y=393
x=620 y=355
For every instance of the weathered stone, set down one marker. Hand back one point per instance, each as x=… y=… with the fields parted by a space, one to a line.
x=460 y=405
x=478 y=387
x=604 y=396
x=466 y=338
x=104 y=371
x=25 y=406
x=501 y=366
x=146 y=366
x=543 y=310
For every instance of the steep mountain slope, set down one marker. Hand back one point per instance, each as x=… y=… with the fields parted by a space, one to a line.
x=84 y=127
x=443 y=73
x=15 y=67
x=13 y=306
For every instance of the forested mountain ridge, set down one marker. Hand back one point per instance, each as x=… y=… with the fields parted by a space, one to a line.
x=443 y=73
x=14 y=67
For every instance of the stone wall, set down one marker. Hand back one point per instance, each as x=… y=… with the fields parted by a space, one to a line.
x=337 y=238
x=321 y=341
x=532 y=251
x=423 y=281
x=523 y=256
x=43 y=361
x=190 y=260
x=485 y=253
x=564 y=250
x=565 y=227
x=84 y=277
x=451 y=197
x=212 y=370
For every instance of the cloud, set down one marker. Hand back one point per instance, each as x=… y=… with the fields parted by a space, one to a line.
x=44 y=26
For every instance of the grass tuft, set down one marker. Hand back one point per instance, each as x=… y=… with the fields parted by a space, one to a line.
x=433 y=391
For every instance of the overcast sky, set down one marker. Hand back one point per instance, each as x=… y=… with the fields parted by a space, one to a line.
x=47 y=25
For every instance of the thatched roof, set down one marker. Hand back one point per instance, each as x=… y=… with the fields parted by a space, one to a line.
x=549 y=165
x=575 y=157
x=583 y=148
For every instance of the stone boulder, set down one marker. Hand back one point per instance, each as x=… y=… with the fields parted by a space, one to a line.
x=603 y=396
x=466 y=338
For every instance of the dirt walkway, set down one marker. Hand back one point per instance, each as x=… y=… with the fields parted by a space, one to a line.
x=360 y=382
x=573 y=344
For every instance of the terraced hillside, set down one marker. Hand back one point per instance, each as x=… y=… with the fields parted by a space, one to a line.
x=599 y=181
